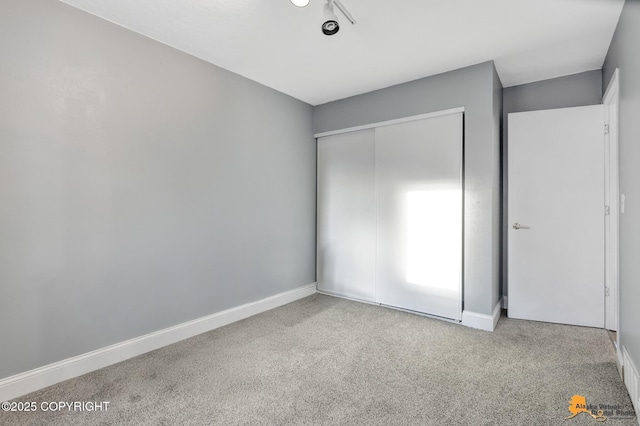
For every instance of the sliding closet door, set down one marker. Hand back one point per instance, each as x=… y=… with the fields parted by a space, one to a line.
x=419 y=206
x=346 y=215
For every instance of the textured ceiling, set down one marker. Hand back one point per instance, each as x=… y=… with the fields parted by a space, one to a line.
x=281 y=46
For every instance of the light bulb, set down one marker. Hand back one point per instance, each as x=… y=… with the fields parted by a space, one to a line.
x=300 y=3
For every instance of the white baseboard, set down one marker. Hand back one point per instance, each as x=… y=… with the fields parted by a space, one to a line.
x=631 y=380
x=482 y=321
x=30 y=381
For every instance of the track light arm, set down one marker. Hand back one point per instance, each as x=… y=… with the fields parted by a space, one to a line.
x=344 y=11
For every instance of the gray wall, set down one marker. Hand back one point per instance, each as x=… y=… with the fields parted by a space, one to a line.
x=563 y=92
x=473 y=88
x=139 y=187
x=623 y=54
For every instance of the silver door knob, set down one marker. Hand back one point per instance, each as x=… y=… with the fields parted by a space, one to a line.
x=518 y=226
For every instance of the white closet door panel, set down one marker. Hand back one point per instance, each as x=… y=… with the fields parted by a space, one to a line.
x=346 y=215
x=419 y=211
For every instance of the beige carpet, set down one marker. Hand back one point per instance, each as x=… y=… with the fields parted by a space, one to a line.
x=324 y=360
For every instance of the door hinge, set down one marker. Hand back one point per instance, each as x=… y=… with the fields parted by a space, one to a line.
x=607 y=210
x=606 y=129
x=606 y=291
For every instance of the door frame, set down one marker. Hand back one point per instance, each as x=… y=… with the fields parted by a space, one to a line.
x=612 y=200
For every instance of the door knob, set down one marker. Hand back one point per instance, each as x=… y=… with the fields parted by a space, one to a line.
x=518 y=226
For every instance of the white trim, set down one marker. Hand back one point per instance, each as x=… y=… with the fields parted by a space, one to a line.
x=632 y=380
x=391 y=122
x=505 y=302
x=612 y=191
x=30 y=381
x=482 y=321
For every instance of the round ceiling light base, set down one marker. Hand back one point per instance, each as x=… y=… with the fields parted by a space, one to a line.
x=330 y=27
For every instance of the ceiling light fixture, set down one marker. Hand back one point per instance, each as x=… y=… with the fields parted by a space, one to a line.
x=300 y=3
x=330 y=24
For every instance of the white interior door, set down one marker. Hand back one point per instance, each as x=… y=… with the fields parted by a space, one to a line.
x=420 y=219
x=346 y=229
x=556 y=199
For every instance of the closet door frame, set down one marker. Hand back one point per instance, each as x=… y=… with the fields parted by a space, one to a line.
x=457 y=110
